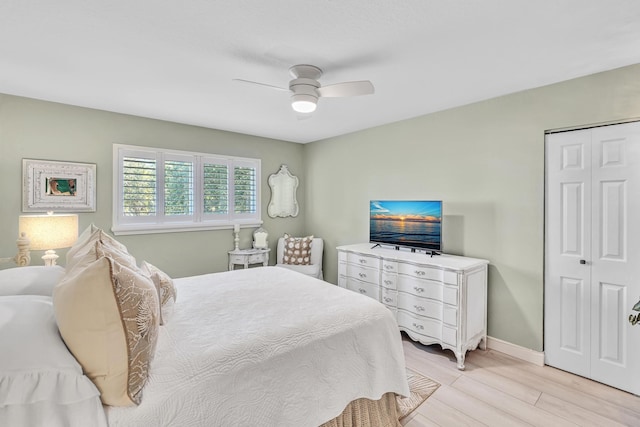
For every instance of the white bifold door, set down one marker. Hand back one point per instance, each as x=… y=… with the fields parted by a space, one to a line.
x=592 y=253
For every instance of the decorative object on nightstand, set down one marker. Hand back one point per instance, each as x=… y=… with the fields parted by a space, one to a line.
x=283 y=194
x=236 y=236
x=49 y=232
x=23 y=257
x=260 y=238
x=245 y=257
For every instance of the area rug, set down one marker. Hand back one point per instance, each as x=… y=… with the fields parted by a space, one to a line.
x=420 y=387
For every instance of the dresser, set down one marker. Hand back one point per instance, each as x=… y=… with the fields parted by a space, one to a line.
x=438 y=299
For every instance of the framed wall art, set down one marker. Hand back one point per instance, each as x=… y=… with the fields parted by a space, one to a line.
x=58 y=186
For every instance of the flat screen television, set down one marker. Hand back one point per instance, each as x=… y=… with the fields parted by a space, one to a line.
x=414 y=224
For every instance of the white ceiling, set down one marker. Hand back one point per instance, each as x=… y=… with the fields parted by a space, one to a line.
x=175 y=60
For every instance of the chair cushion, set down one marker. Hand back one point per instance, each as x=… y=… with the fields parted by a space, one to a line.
x=312 y=270
x=297 y=250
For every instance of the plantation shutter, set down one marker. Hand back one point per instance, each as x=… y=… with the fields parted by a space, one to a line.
x=245 y=191
x=215 y=188
x=178 y=187
x=139 y=194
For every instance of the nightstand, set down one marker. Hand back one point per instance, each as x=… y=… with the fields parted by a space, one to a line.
x=248 y=256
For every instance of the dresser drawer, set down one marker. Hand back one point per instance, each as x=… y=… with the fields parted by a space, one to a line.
x=342 y=256
x=423 y=326
x=389 y=297
x=389 y=280
x=363 y=260
x=364 y=288
x=421 y=288
x=389 y=266
x=429 y=273
x=450 y=315
x=420 y=306
x=364 y=274
x=449 y=336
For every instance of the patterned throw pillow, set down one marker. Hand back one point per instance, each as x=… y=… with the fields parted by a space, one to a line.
x=166 y=289
x=108 y=316
x=297 y=250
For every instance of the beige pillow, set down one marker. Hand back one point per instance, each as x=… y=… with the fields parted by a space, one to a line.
x=297 y=250
x=166 y=289
x=96 y=249
x=90 y=235
x=108 y=317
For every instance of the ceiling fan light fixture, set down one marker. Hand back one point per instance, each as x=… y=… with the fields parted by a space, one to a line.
x=302 y=103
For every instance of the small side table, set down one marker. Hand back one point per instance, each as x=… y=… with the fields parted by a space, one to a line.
x=248 y=256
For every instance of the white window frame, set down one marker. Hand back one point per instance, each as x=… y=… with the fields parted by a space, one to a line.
x=161 y=223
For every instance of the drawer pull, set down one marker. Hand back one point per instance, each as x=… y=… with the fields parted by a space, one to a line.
x=388 y=267
x=387 y=299
x=418 y=307
x=362 y=291
x=362 y=274
x=362 y=261
x=417 y=289
x=417 y=326
x=388 y=282
x=419 y=273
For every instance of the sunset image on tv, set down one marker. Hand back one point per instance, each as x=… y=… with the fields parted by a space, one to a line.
x=410 y=223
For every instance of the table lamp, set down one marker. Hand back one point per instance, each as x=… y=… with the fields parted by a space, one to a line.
x=49 y=232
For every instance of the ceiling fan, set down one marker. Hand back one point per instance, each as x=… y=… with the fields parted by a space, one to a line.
x=305 y=88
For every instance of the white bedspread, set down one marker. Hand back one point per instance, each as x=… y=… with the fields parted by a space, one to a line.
x=267 y=347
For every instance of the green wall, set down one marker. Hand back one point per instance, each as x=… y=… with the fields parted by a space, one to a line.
x=486 y=162
x=44 y=130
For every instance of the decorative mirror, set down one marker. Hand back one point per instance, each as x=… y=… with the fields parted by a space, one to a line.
x=260 y=237
x=283 y=194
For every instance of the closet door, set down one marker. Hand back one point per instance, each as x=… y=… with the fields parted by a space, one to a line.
x=567 y=331
x=615 y=277
x=592 y=258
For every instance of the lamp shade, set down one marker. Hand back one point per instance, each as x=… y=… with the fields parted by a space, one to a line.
x=49 y=231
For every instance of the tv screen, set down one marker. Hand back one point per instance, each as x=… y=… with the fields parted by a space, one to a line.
x=409 y=223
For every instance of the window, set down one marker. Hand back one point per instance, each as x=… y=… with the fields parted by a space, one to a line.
x=168 y=190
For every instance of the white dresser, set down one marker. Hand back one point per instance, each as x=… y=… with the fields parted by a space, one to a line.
x=436 y=300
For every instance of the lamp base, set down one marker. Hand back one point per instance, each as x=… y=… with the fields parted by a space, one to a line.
x=50 y=258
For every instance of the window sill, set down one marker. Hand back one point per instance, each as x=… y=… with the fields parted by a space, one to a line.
x=132 y=229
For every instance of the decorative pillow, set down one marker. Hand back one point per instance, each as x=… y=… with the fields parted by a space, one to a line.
x=39 y=379
x=96 y=249
x=30 y=280
x=297 y=250
x=166 y=290
x=90 y=235
x=108 y=317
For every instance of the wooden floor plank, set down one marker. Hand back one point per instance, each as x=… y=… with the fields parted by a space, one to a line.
x=580 y=416
x=475 y=408
x=517 y=408
x=443 y=415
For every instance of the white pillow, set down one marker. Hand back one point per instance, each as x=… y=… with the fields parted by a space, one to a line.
x=39 y=378
x=31 y=280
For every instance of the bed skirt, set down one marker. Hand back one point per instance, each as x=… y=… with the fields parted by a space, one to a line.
x=368 y=413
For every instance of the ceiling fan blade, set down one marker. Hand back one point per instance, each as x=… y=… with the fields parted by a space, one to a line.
x=364 y=87
x=260 y=84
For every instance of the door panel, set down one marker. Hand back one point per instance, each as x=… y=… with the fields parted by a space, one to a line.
x=568 y=214
x=616 y=255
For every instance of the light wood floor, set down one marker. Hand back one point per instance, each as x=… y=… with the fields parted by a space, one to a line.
x=498 y=390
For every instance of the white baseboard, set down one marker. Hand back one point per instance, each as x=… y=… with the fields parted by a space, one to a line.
x=526 y=354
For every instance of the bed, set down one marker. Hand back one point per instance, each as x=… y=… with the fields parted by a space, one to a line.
x=257 y=347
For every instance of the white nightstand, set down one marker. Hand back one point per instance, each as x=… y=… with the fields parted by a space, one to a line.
x=248 y=256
